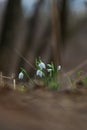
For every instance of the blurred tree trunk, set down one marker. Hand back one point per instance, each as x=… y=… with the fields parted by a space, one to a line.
x=64 y=19
x=10 y=20
x=56 y=33
x=9 y=34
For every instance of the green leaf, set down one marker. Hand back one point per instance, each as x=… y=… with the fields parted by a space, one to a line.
x=49 y=65
x=24 y=71
x=53 y=68
x=79 y=73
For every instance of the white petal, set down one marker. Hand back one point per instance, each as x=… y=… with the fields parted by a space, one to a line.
x=39 y=73
x=21 y=75
x=42 y=65
x=49 y=70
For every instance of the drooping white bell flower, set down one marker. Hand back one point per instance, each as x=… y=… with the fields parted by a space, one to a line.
x=59 y=68
x=42 y=65
x=49 y=70
x=39 y=73
x=21 y=75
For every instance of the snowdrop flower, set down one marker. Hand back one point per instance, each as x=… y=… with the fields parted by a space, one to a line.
x=21 y=75
x=39 y=73
x=59 y=68
x=49 y=70
x=42 y=65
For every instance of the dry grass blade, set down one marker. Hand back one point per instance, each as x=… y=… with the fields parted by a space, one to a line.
x=71 y=78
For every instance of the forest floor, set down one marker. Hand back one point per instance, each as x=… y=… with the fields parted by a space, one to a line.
x=43 y=109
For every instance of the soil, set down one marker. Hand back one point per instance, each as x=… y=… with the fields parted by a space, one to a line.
x=43 y=109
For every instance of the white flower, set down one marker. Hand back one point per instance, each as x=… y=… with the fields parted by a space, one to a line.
x=39 y=73
x=42 y=65
x=59 y=68
x=49 y=70
x=21 y=75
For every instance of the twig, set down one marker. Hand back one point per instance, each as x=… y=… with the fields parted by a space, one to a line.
x=5 y=77
x=77 y=68
x=24 y=58
x=14 y=83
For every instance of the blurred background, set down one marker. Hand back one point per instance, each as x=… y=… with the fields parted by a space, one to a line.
x=55 y=30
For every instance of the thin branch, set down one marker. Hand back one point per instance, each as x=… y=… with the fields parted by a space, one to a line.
x=24 y=59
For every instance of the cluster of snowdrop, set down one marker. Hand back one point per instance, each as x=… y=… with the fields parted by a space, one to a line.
x=42 y=69
x=47 y=73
